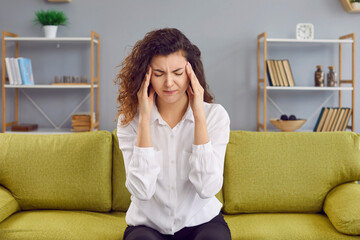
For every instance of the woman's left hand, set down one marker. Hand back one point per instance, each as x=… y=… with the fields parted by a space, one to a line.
x=195 y=92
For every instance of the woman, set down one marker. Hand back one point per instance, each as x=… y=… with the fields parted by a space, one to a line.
x=173 y=140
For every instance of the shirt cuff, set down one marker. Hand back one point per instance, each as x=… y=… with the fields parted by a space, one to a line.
x=207 y=147
x=144 y=150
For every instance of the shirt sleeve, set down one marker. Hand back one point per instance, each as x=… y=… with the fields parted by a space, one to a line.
x=207 y=160
x=141 y=166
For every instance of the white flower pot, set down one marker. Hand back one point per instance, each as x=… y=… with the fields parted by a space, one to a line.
x=355 y=5
x=50 y=31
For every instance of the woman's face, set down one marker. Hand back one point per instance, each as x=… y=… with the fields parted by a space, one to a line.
x=169 y=78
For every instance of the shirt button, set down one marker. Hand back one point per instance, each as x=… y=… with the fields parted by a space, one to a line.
x=172 y=188
x=172 y=161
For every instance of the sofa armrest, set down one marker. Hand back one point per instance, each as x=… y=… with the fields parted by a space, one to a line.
x=8 y=204
x=343 y=209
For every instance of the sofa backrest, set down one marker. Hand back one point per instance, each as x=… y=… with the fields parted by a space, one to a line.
x=63 y=171
x=287 y=172
x=121 y=196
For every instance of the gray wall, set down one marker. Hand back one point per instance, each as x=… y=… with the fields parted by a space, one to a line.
x=225 y=31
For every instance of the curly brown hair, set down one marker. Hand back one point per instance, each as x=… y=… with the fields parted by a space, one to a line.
x=133 y=68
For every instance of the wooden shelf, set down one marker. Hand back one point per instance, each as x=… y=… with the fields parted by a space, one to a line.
x=348 y=7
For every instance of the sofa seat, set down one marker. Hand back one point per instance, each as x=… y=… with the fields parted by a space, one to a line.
x=282 y=225
x=56 y=224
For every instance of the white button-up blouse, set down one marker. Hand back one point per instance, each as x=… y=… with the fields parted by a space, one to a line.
x=174 y=182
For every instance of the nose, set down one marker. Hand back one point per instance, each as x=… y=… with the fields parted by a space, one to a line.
x=169 y=81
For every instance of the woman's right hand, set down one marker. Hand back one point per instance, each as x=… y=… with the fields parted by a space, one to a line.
x=146 y=101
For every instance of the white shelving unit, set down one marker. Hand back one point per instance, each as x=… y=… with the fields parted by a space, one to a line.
x=94 y=83
x=42 y=39
x=304 y=88
x=291 y=40
x=36 y=86
x=263 y=88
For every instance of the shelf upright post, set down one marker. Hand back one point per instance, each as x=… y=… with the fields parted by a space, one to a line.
x=263 y=80
x=4 y=124
x=352 y=81
x=95 y=79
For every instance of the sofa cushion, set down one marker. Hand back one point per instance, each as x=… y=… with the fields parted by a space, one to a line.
x=343 y=208
x=274 y=226
x=62 y=171
x=287 y=172
x=8 y=204
x=63 y=225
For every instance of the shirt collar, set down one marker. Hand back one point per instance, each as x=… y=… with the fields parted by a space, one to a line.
x=155 y=115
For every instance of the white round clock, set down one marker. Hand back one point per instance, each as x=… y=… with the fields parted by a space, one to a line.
x=304 y=31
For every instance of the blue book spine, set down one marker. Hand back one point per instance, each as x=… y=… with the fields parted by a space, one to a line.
x=318 y=121
x=21 y=62
x=30 y=73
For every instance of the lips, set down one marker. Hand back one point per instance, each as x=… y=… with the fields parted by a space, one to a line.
x=170 y=92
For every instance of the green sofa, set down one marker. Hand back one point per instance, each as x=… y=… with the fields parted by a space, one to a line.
x=276 y=186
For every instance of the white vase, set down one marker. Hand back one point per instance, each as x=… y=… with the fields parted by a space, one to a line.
x=355 y=5
x=50 y=31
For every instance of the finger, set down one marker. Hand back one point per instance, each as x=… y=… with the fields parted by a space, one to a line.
x=151 y=93
x=148 y=76
x=146 y=82
x=189 y=90
x=193 y=79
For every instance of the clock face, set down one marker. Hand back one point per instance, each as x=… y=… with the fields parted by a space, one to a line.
x=304 y=31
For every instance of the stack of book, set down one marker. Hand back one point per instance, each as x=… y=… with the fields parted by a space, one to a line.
x=279 y=73
x=19 y=71
x=81 y=122
x=333 y=119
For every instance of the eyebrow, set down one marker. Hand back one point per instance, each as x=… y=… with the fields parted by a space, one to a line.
x=161 y=71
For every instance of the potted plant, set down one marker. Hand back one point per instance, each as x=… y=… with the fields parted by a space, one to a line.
x=355 y=4
x=50 y=20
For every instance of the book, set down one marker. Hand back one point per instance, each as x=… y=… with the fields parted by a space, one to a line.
x=80 y=123
x=327 y=120
x=319 y=119
x=322 y=120
x=9 y=71
x=349 y=112
x=334 y=120
x=16 y=71
x=340 y=119
x=80 y=129
x=276 y=78
x=282 y=73
x=270 y=73
x=26 y=71
x=24 y=127
x=278 y=73
x=288 y=72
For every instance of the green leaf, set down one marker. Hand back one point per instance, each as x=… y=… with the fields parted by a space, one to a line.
x=50 y=17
